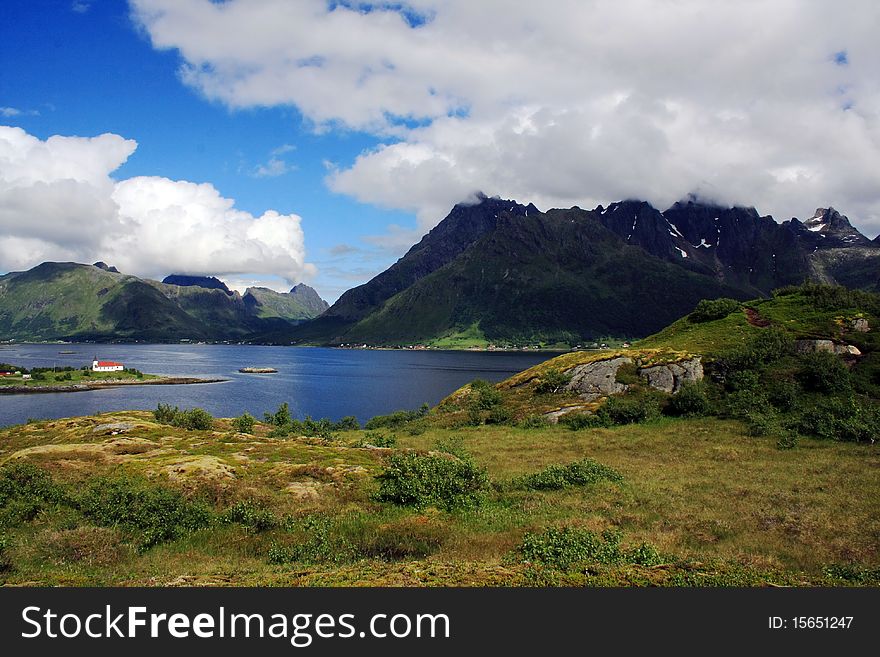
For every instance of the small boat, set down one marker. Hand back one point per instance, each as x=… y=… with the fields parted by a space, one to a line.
x=257 y=370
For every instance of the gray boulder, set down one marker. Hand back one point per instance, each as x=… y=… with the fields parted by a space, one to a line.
x=671 y=376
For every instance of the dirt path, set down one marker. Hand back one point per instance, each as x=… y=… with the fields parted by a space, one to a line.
x=755 y=319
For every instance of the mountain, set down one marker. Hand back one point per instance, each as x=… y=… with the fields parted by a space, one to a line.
x=72 y=301
x=499 y=271
x=465 y=224
x=301 y=303
x=207 y=282
x=748 y=251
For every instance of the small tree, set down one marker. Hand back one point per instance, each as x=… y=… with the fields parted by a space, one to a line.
x=244 y=423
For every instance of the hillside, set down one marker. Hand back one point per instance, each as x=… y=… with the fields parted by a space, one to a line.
x=499 y=272
x=70 y=301
x=301 y=303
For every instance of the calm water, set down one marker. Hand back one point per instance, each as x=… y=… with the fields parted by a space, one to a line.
x=314 y=381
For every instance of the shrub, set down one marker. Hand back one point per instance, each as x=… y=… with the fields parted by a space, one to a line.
x=628 y=374
x=321 y=544
x=579 y=473
x=629 y=409
x=499 y=415
x=377 y=439
x=157 y=514
x=712 y=309
x=244 y=423
x=690 y=400
x=563 y=548
x=824 y=372
x=165 y=413
x=553 y=381
x=348 y=423
x=420 y=481
x=578 y=421
x=483 y=395
x=784 y=395
x=842 y=418
x=193 y=419
x=396 y=419
x=281 y=417
x=251 y=516
x=26 y=490
x=534 y=422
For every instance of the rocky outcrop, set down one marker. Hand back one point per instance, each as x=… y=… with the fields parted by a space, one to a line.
x=671 y=376
x=597 y=379
x=859 y=325
x=826 y=346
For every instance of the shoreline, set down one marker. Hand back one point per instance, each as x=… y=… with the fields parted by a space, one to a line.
x=84 y=387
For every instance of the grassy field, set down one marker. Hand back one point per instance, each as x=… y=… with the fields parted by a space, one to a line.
x=713 y=505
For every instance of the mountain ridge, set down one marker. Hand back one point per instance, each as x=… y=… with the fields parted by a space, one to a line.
x=734 y=251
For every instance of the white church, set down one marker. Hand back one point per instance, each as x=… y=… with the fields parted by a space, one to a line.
x=106 y=366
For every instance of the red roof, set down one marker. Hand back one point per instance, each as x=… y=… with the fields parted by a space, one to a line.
x=108 y=363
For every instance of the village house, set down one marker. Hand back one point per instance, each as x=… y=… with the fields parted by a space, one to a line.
x=106 y=366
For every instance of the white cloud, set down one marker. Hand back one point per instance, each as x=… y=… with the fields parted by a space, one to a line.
x=562 y=101
x=58 y=202
x=273 y=168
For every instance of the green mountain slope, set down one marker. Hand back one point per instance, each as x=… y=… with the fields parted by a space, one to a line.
x=71 y=301
x=545 y=277
x=301 y=303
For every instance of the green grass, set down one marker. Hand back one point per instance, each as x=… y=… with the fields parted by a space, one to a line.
x=715 y=504
x=75 y=377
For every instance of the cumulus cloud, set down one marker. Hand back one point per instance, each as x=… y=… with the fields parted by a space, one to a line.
x=774 y=103
x=59 y=202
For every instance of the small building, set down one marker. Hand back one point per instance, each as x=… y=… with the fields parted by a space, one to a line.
x=106 y=366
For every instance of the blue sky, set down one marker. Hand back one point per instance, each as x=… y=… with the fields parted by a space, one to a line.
x=90 y=71
x=273 y=141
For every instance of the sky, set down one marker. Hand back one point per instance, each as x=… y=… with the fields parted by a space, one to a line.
x=270 y=142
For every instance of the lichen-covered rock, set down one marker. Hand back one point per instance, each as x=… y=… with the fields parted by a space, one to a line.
x=671 y=376
x=597 y=379
x=827 y=346
x=859 y=325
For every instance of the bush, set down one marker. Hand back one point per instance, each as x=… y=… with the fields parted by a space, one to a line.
x=690 y=400
x=420 y=481
x=784 y=395
x=396 y=419
x=281 y=417
x=25 y=491
x=193 y=419
x=579 y=473
x=824 y=372
x=534 y=422
x=157 y=514
x=578 y=421
x=251 y=516
x=321 y=544
x=499 y=415
x=842 y=418
x=553 y=381
x=629 y=409
x=377 y=439
x=708 y=310
x=165 y=413
x=483 y=396
x=244 y=423
x=348 y=423
x=563 y=548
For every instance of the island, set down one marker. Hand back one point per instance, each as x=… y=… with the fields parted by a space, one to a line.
x=258 y=370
